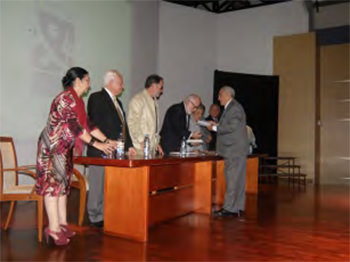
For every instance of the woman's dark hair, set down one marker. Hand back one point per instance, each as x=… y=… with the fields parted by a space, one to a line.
x=72 y=74
x=153 y=79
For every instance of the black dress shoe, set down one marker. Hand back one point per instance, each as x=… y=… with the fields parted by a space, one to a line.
x=224 y=213
x=98 y=224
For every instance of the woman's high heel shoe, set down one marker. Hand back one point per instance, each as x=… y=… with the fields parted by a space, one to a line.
x=67 y=232
x=61 y=240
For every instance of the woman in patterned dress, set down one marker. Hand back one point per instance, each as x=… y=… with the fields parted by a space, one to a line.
x=67 y=128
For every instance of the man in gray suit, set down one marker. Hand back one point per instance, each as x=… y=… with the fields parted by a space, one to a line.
x=232 y=145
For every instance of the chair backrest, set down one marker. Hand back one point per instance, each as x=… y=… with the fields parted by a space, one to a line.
x=9 y=160
x=1 y=176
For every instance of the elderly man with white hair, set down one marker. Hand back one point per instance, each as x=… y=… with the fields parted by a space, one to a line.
x=232 y=145
x=176 y=124
x=106 y=112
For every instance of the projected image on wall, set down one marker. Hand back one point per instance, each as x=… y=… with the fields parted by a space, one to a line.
x=54 y=49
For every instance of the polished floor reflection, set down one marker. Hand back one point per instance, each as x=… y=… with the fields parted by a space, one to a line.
x=280 y=225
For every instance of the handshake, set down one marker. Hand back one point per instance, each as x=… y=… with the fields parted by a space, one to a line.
x=210 y=125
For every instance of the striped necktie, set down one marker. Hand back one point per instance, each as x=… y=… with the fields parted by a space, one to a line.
x=156 y=111
x=120 y=114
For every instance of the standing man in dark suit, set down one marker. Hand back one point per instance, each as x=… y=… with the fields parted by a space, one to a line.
x=176 y=124
x=106 y=112
x=232 y=144
x=214 y=113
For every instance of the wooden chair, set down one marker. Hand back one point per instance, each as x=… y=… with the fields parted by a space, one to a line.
x=79 y=181
x=10 y=190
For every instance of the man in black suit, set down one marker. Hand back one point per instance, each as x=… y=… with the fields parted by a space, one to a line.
x=214 y=113
x=106 y=112
x=176 y=124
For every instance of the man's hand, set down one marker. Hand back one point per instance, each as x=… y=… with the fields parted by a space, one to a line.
x=132 y=151
x=208 y=139
x=211 y=126
x=160 y=150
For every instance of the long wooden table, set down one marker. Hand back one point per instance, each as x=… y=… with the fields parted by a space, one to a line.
x=142 y=192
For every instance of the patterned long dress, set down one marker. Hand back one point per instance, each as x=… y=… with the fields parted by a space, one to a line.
x=55 y=146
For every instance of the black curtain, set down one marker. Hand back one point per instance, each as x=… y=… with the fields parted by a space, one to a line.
x=258 y=95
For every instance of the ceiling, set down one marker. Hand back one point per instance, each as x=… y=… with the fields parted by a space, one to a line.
x=222 y=6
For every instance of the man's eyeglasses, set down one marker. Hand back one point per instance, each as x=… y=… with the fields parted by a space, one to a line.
x=194 y=105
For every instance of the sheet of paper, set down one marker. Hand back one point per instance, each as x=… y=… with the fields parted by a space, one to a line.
x=203 y=123
x=194 y=141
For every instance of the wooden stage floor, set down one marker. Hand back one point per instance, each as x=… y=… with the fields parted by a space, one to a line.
x=280 y=225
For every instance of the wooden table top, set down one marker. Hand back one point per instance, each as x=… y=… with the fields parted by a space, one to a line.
x=139 y=160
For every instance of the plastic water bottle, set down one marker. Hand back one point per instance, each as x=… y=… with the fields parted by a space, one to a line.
x=120 y=147
x=146 y=146
x=183 y=147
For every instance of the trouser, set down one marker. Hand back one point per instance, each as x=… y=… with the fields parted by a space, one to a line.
x=96 y=193
x=235 y=176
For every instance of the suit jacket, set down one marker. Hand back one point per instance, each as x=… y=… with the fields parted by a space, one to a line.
x=212 y=144
x=195 y=127
x=143 y=119
x=103 y=114
x=174 y=128
x=232 y=138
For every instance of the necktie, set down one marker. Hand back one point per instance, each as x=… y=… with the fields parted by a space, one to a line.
x=187 y=121
x=156 y=111
x=120 y=114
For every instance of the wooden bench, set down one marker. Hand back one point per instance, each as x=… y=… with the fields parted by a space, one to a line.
x=282 y=167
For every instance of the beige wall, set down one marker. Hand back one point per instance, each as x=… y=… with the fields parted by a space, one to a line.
x=295 y=63
x=334 y=114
